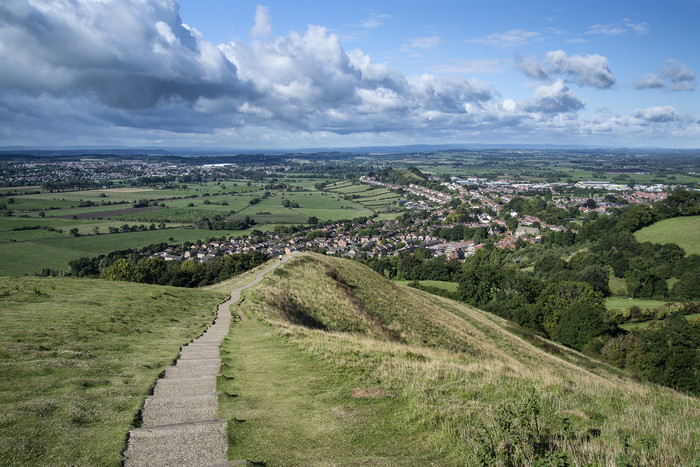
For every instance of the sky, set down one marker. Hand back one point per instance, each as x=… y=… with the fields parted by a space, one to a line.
x=319 y=74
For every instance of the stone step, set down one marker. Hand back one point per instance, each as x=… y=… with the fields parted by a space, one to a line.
x=197 y=354
x=187 y=445
x=181 y=408
x=198 y=362
x=172 y=386
x=190 y=372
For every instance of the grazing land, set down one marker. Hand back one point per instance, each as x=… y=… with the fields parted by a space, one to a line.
x=683 y=231
x=77 y=359
x=444 y=370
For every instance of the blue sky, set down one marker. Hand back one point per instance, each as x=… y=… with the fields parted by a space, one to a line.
x=280 y=74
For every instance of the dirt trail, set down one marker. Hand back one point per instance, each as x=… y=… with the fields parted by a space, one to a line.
x=179 y=424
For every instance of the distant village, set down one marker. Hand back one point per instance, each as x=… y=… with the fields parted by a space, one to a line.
x=393 y=237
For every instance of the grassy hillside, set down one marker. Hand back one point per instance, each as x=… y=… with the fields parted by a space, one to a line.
x=683 y=231
x=391 y=375
x=77 y=359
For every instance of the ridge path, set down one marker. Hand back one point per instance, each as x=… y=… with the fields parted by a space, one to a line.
x=179 y=424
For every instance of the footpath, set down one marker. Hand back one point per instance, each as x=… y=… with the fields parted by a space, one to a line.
x=179 y=424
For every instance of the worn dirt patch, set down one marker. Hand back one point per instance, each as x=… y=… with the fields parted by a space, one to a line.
x=371 y=393
x=578 y=413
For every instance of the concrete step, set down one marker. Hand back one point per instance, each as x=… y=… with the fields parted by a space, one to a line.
x=172 y=386
x=181 y=408
x=187 y=445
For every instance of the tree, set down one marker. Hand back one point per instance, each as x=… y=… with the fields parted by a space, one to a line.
x=548 y=264
x=121 y=270
x=598 y=277
x=74 y=232
x=479 y=284
x=581 y=323
x=643 y=280
x=313 y=220
x=150 y=270
x=558 y=298
x=96 y=230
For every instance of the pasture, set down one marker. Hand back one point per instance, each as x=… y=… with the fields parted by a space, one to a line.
x=683 y=231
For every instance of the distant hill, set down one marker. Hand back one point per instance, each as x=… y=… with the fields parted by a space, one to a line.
x=470 y=386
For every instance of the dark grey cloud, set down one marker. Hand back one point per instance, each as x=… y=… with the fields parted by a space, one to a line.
x=126 y=54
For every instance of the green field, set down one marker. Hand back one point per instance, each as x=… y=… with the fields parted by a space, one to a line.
x=78 y=357
x=683 y=231
x=619 y=303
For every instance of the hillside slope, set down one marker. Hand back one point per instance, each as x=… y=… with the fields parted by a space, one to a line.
x=466 y=385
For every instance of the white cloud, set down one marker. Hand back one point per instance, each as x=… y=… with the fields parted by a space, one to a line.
x=477 y=66
x=531 y=67
x=554 y=98
x=263 y=22
x=424 y=43
x=675 y=76
x=374 y=20
x=649 y=81
x=584 y=70
x=619 y=29
x=510 y=38
x=682 y=78
x=662 y=114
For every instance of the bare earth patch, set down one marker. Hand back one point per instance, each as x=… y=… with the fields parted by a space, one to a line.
x=371 y=393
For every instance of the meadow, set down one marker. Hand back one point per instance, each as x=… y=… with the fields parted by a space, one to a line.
x=78 y=357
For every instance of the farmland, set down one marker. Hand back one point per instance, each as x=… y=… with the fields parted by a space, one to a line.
x=47 y=230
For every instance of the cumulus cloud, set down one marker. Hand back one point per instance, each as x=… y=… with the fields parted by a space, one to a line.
x=263 y=22
x=131 y=68
x=531 y=67
x=675 y=76
x=584 y=70
x=510 y=38
x=554 y=98
x=125 y=55
x=662 y=114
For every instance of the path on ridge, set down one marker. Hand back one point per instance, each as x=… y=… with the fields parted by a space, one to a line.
x=179 y=420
